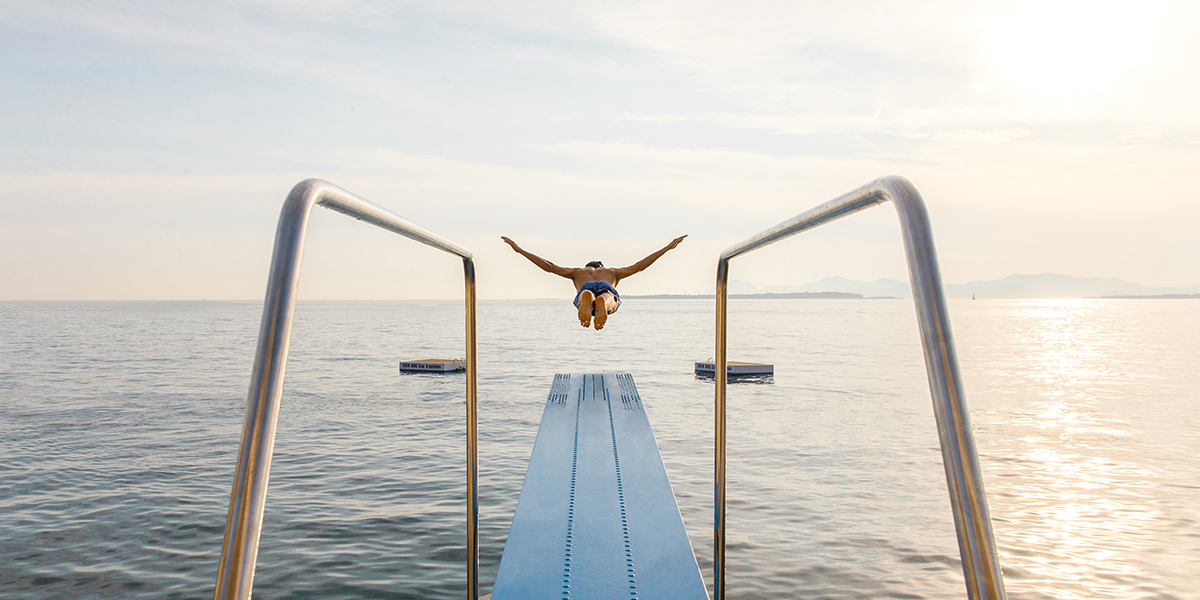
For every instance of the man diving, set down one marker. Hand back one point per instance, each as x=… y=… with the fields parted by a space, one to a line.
x=595 y=284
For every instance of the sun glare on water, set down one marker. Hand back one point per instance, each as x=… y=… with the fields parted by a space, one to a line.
x=1071 y=48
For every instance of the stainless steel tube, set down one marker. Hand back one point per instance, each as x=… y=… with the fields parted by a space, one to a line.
x=472 y=438
x=722 y=378
x=981 y=564
x=235 y=575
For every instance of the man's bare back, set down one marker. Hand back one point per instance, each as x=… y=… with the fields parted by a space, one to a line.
x=595 y=284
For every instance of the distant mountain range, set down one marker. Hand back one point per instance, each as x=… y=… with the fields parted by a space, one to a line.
x=1045 y=285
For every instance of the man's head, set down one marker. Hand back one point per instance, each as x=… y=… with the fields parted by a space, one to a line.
x=595 y=264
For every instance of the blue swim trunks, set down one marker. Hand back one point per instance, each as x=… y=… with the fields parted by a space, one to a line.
x=597 y=288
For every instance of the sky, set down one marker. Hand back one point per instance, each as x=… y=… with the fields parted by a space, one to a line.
x=146 y=147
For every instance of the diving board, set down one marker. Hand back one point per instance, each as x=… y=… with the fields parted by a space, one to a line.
x=597 y=518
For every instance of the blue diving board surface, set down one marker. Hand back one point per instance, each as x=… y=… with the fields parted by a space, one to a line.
x=597 y=518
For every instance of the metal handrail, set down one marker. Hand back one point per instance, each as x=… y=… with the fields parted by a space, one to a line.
x=981 y=565
x=235 y=576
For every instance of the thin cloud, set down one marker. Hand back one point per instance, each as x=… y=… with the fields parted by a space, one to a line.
x=205 y=34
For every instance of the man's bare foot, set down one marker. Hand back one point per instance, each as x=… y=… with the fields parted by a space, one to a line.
x=585 y=308
x=601 y=312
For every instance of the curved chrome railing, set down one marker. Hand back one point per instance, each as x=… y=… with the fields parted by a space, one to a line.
x=981 y=565
x=235 y=576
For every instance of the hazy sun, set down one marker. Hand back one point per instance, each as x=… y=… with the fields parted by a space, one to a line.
x=1065 y=47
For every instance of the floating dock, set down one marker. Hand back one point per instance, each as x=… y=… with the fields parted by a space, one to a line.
x=433 y=365
x=735 y=368
x=597 y=517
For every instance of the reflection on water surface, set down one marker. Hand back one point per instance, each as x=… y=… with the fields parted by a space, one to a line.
x=1087 y=487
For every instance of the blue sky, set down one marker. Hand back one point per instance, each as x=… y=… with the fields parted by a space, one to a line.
x=145 y=147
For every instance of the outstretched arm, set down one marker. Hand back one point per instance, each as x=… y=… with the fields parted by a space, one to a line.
x=542 y=263
x=641 y=265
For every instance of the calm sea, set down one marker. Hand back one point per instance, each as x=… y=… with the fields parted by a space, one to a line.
x=119 y=424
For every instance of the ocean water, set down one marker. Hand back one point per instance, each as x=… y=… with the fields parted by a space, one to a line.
x=119 y=425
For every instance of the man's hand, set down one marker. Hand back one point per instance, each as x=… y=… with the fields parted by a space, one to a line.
x=511 y=243
x=675 y=242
